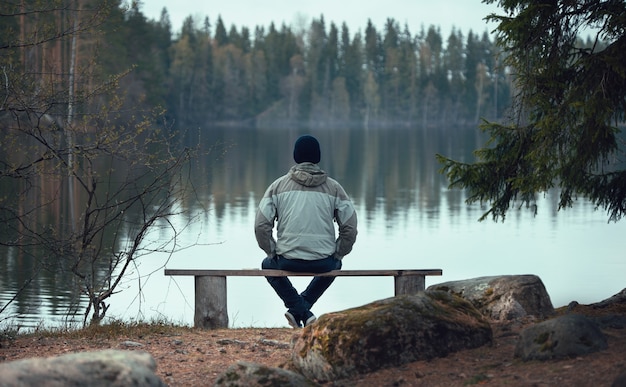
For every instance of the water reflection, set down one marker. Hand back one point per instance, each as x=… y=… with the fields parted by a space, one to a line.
x=408 y=219
x=397 y=166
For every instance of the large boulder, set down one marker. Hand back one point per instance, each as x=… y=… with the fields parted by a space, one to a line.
x=617 y=299
x=506 y=297
x=388 y=333
x=609 y=313
x=620 y=380
x=253 y=374
x=562 y=337
x=101 y=368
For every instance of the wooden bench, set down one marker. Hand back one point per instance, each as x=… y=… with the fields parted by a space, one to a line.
x=210 y=287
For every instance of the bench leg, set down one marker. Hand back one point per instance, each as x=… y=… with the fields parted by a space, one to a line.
x=409 y=284
x=210 y=305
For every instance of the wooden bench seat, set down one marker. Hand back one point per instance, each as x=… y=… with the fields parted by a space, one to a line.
x=210 y=287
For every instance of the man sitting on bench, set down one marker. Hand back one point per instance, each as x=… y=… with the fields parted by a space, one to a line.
x=304 y=203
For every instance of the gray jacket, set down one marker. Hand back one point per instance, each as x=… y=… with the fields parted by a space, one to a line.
x=304 y=203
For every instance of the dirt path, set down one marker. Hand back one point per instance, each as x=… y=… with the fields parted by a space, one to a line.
x=188 y=357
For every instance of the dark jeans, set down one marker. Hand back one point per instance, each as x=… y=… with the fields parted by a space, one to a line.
x=299 y=304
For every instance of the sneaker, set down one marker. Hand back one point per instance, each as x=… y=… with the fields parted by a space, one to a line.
x=292 y=320
x=310 y=319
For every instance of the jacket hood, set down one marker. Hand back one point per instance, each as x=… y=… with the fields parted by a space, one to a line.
x=307 y=174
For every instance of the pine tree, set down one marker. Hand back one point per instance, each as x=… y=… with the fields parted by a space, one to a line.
x=350 y=68
x=454 y=65
x=221 y=37
x=567 y=115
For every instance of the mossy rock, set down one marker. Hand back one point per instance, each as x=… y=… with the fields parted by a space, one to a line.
x=94 y=368
x=389 y=333
x=563 y=337
x=253 y=374
x=505 y=297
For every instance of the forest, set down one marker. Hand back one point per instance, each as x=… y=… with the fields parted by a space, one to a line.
x=325 y=76
x=210 y=74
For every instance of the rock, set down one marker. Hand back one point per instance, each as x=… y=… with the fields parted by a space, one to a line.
x=101 y=368
x=503 y=297
x=619 y=298
x=388 y=333
x=620 y=381
x=609 y=313
x=129 y=343
x=612 y=321
x=246 y=374
x=562 y=337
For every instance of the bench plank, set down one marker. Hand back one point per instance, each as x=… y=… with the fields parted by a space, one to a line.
x=283 y=273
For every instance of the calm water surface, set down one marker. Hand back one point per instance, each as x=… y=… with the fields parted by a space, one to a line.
x=408 y=219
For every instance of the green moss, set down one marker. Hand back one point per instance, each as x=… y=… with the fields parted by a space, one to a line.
x=477 y=379
x=381 y=322
x=450 y=305
x=542 y=338
x=228 y=377
x=263 y=371
x=333 y=330
x=548 y=346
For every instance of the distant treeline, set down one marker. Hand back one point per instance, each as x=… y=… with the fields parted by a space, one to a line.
x=316 y=75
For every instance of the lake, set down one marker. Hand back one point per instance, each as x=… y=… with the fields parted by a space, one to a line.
x=408 y=219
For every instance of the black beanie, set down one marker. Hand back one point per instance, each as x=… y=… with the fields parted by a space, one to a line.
x=306 y=149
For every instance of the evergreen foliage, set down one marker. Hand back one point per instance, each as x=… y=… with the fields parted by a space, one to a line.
x=564 y=130
x=320 y=74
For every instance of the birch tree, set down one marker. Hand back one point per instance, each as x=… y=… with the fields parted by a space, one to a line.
x=61 y=121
